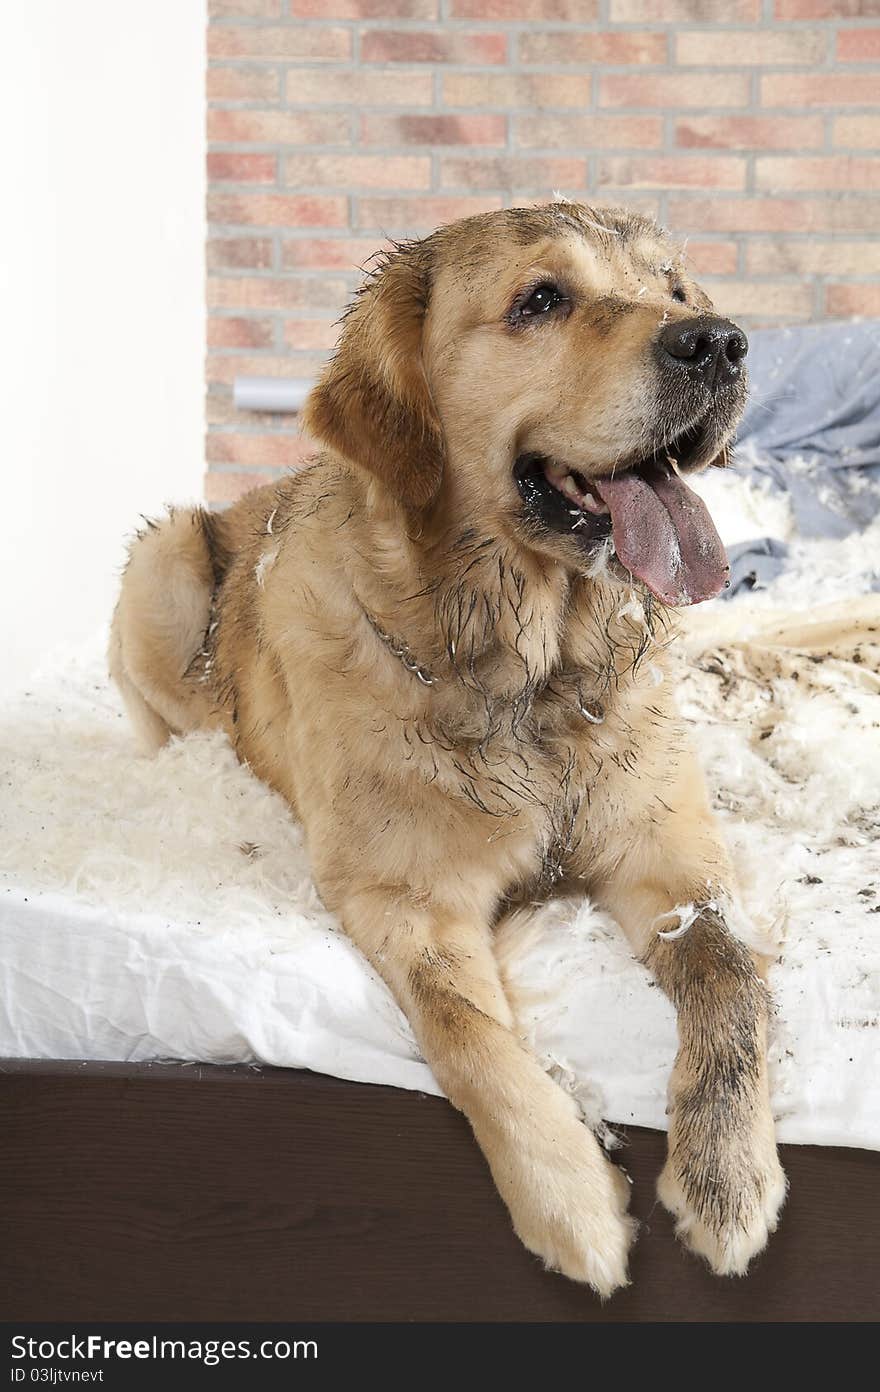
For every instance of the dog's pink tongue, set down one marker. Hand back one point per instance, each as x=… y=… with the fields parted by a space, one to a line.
x=664 y=535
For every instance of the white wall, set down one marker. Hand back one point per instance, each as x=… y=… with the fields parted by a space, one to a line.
x=101 y=300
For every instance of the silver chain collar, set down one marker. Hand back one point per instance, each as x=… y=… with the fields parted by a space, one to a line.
x=591 y=711
x=402 y=652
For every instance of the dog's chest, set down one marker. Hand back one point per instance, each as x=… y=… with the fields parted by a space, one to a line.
x=551 y=778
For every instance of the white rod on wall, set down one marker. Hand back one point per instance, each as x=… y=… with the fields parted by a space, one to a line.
x=283 y=394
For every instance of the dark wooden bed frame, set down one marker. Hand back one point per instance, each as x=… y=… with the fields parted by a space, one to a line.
x=177 y=1192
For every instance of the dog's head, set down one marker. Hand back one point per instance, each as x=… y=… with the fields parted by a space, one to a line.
x=547 y=374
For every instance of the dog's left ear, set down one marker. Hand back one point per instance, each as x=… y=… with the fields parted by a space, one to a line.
x=373 y=403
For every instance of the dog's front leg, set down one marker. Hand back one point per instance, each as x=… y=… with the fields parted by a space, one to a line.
x=566 y=1200
x=722 y=1180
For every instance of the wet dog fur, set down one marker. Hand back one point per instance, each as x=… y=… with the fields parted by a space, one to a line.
x=467 y=710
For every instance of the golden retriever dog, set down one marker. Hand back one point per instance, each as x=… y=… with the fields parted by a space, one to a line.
x=445 y=642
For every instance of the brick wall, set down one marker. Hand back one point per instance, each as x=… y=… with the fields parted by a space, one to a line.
x=751 y=126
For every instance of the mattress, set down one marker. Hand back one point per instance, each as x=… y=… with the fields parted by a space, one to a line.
x=163 y=908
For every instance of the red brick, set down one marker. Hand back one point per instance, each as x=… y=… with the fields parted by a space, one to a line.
x=858 y=45
x=228 y=488
x=763 y=47
x=617 y=49
x=432 y=46
x=590 y=132
x=750 y=132
x=505 y=172
x=311 y=87
x=263 y=292
x=819 y=89
x=682 y=11
x=510 y=89
x=712 y=258
x=859 y=132
x=773 y=214
x=278 y=127
x=311 y=334
x=242 y=84
x=813 y=257
x=244 y=9
x=850 y=173
x=578 y=11
x=234 y=168
x=417 y=214
x=239 y=253
x=275 y=451
x=240 y=333
x=278 y=210
x=358 y=171
x=219 y=410
x=364 y=9
x=220 y=407
x=287 y=43
x=328 y=254
x=761 y=299
x=434 y=130
x=222 y=369
x=846 y=300
x=669 y=172
x=670 y=90
x=827 y=9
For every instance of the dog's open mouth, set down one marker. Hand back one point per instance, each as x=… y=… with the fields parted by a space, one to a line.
x=660 y=529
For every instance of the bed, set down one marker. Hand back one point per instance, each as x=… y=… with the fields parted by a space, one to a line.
x=178 y=1010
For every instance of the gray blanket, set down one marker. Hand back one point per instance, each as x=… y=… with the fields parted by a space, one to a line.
x=812 y=428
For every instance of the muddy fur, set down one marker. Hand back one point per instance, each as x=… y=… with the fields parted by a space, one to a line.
x=466 y=711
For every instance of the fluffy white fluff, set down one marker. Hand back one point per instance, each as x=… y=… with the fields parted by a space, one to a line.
x=164 y=907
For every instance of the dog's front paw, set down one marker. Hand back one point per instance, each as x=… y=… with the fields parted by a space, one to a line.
x=575 y=1220
x=725 y=1199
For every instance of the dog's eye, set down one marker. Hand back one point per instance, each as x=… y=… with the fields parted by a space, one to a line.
x=679 y=294
x=542 y=299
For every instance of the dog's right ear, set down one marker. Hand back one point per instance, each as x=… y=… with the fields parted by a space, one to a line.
x=373 y=403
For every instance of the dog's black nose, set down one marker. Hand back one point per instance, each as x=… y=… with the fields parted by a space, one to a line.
x=708 y=348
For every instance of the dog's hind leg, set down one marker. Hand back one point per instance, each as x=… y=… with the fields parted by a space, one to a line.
x=160 y=624
x=150 y=729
